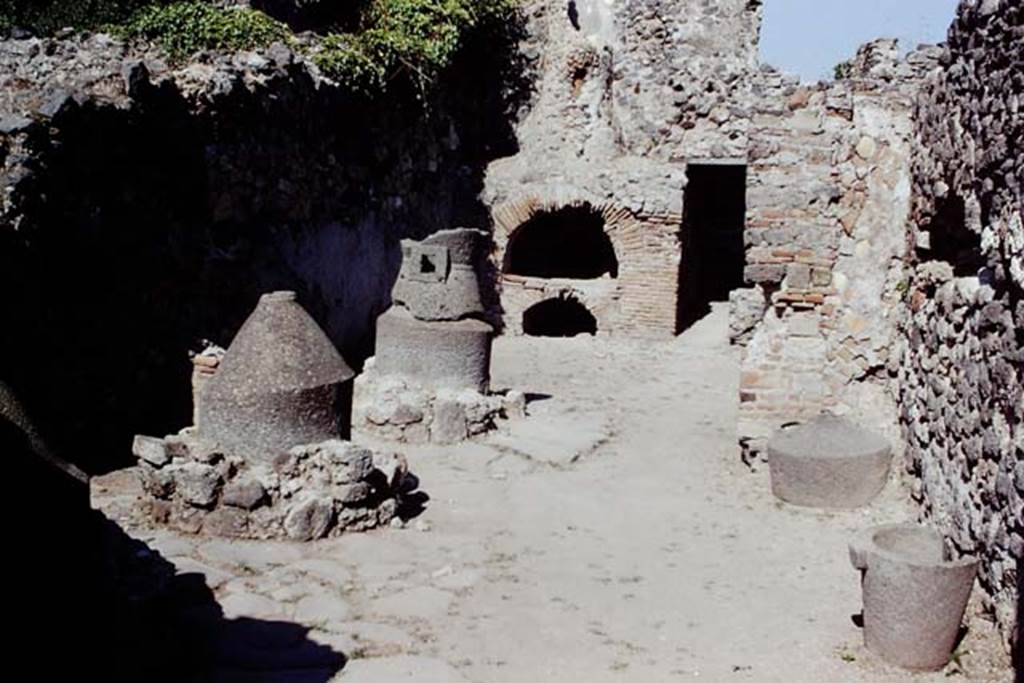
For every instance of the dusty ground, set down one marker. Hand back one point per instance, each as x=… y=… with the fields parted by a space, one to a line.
x=615 y=535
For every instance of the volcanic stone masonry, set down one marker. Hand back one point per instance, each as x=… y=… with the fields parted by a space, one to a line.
x=430 y=378
x=960 y=383
x=267 y=456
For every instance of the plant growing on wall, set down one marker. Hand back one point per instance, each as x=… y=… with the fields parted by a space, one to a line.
x=414 y=39
x=185 y=28
x=842 y=71
x=389 y=42
x=47 y=16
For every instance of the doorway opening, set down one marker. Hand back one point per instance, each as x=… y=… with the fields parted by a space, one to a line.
x=714 y=218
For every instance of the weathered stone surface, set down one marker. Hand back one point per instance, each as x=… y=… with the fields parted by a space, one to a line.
x=914 y=598
x=309 y=519
x=438 y=278
x=198 y=484
x=158 y=483
x=828 y=463
x=453 y=354
x=960 y=377
x=179 y=445
x=151 y=450
x=746 y=309
x=226 y=522
x=281 y=383
x=352 y=494
x=449 y=423
x=247 y=494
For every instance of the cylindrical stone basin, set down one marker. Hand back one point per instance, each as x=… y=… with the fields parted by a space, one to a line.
x=281 y=383
x=914 y=597
x=828 y=463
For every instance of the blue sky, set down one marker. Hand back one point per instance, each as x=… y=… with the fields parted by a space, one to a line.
x=808 y=38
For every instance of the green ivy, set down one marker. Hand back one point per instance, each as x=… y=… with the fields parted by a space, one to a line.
x=185 y=28
x=46 y=16
x=406 y=39
x=395 y=41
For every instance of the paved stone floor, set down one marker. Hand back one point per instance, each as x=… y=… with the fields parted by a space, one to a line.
x=615 y=535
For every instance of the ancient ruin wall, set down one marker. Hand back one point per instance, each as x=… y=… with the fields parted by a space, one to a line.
x=146 y=205
x=961 y=381
x=627 y=93
x=828 y=197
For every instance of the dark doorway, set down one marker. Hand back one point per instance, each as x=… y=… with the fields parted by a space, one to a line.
x=714 y=216
x=950 y=239
x=570 y=243
x=558 y=318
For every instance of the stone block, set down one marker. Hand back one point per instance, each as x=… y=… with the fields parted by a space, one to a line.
x=828 y=463
x=247 y=494
x=798 y=276
x=762 y=273
x=226 y=522
x=151 y=450
x=197 y=484
x=352 y=494
x=309 y=519
x=449 y=423
x=158 y=483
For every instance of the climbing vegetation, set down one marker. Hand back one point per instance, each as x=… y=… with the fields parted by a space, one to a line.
x=386 y=43
x=407 y=39
x=46 y=16
x=184 y=28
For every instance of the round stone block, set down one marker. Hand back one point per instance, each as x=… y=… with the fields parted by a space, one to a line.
x=452 y=354
x=828 y=463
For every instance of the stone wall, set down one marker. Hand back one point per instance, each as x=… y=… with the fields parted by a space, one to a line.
x=626 y=94
x=145 y=206
x=828 y=197
x=961 y=379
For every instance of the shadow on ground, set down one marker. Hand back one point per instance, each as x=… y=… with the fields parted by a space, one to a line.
x=168 y=626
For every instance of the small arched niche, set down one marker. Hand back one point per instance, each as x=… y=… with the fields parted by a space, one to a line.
x=563 y=243
x=558 y=318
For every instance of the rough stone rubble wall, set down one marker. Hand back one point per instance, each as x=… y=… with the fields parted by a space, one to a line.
x=624 y=98
x=961 y=380
x=828 y=197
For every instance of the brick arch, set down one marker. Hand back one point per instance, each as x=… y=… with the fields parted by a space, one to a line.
x=619 y=223
x=641 y=300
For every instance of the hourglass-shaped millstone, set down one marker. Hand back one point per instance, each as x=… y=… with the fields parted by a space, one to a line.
x=433 y=335
x=281 y=383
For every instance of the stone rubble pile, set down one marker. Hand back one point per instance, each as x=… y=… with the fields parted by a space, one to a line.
x=305 y=493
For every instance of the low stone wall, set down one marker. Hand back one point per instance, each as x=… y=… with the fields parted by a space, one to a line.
x=396 y=409
x=306 y=493
x=961 y=379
